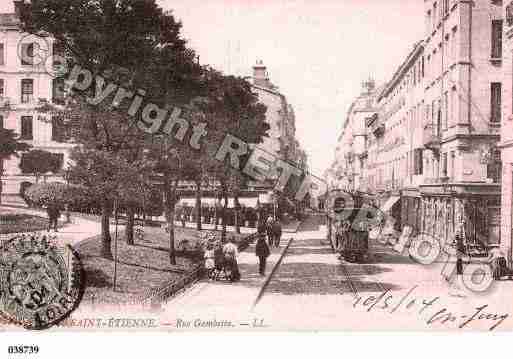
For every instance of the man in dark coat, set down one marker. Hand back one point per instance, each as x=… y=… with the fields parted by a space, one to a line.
x=269 y=228
x=276 y=230
x=262 y=250
x=53 y=216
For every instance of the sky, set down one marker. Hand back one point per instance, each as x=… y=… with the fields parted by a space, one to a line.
x=318 y=52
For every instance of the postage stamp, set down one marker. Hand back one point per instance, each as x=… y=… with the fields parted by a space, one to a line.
x=41 y=284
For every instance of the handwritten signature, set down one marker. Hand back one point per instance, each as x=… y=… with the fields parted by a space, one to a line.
x=388 y=302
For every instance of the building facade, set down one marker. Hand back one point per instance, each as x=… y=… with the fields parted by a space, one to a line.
x=394 y=141
x=462 y=104
x=432 y=145
x=350 y=171
x=507 y=134
x=24 y=86
x=280 y=116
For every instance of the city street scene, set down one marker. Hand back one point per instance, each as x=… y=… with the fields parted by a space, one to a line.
x=217 y=166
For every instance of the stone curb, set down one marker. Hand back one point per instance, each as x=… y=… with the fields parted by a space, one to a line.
x=273 y=270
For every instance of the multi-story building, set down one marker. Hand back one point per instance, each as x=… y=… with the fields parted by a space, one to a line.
x=462 y=116
x=432 y=155
x=349 y=171
x=281 y=118
x=24 y=85
x=507 y=134
x=394 y=141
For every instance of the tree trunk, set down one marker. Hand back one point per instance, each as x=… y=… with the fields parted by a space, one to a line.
x=225 y=206
x=237 y=212
x=169 y=204
x=198 y=205
x=106 y=251
x=216 y=215
x=130 y=222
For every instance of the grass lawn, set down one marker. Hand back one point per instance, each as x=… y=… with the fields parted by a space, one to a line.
x=12 y=222
x=141 y=267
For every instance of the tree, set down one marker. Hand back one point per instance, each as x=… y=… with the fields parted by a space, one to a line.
x=131 y=43
x=110 y=180
x=231 y=108
x=9 y=146
x=40 y=162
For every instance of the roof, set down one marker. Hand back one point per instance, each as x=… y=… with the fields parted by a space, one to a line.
x=417 y=51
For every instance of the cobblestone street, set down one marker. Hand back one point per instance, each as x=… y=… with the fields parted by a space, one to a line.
x=312 y=289
x=308 y=287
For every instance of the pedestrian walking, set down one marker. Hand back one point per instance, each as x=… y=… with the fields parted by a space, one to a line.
x=277 y=231
x=54 y=213
x=210 y=260
x=459 y=241
x=269 y=225
x=262 y=251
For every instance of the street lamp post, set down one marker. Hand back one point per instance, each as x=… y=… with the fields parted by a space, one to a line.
x=115 y=243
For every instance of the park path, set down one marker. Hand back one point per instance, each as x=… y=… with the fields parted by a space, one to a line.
x=73 y=233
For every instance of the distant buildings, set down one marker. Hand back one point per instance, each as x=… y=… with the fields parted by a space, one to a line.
x=280 y=116
x=506 y=144
x=429 y=147
x=23 y=87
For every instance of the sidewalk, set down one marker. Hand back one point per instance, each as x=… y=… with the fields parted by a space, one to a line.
x=208 y=298
x=79 y=230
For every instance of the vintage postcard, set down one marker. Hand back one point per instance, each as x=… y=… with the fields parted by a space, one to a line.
x=255 y=166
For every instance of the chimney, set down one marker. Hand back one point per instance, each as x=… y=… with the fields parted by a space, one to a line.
x=260 y=75
x=18 y=5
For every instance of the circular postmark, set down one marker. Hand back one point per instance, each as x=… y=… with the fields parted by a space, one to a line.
x=41 y=283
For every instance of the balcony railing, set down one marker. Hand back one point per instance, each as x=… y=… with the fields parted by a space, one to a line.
x=431 y=138
x=364 y=154
x=5 y=104
x=375 y=125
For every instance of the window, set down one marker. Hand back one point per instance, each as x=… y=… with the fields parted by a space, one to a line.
x=27 y=91
x=496 y=39
x=418 y=161
x=453 y=160
x=434 y=15
x=2 y=121
x=494 y=167
x=2 y=90
x=444 y=165
x=58 y=91
x=26 y=128
x=452 y=112
x=57 y=129
x=496 y=94
x=446 y=7
x=446 y=111
x=58 y=52
x=433 y=112
x=27 y=54
x=2 y=55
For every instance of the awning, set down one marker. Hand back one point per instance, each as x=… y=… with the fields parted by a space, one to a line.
x=244 y=201
x=389 y=203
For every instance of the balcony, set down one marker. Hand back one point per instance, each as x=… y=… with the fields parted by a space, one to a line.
x=375 y=125
x=431 y=138
x=363 y=155
x=349 y=156
x=5 y=104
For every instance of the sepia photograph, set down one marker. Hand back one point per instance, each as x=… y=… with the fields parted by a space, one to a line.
x=275 y=166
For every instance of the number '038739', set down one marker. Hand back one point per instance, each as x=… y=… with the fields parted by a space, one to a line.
x=23 y=349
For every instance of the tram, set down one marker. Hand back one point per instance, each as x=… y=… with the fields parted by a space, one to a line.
x=348 y=226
